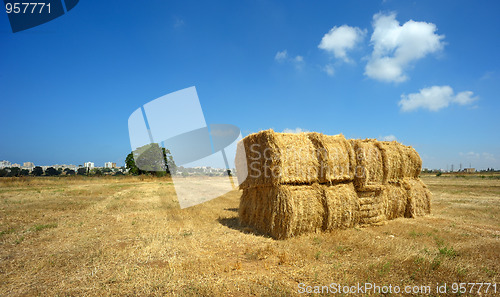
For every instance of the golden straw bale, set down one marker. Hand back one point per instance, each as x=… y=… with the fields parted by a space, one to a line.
x=369 y=170
x=341 y=205
x=400 y=161
x=279 y=158
x=336 y=157
x=283 y=211
x=310 y=182
x=396 y=199
x=419 y=198
x=372 y=208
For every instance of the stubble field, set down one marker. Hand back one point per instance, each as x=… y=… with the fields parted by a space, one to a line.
x=128 y=236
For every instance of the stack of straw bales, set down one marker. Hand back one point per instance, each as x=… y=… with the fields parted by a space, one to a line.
x=310 y=182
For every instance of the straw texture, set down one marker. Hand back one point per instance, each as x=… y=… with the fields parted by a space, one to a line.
x=310 y=182
x=369 y=170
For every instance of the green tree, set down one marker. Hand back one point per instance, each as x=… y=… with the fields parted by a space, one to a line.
x=82 y=171
x=37 y=171
x=149 y=160
x=130 y=165
x=24 y=172
x=70 y=172
x=14 y=171
x=51 y=171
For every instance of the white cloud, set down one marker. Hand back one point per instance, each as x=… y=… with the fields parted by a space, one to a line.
x=281 y=56
x=487 y=75
x=388 y=138
x=435 y=98
x=341 y=39
x=329 y=69
x=296 y=130
x=470 y=155
x=395 y=47
x=483 y=158
x=298 y=61
x=178 y=22
x=489 y=157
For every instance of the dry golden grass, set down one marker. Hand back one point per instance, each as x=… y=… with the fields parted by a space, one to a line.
x=127 y=236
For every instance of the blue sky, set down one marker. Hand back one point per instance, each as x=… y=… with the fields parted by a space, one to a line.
x=429 y=77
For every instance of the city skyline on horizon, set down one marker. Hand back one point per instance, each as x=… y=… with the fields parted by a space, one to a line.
x=412 y=72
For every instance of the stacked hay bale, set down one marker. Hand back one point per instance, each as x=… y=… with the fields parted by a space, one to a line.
x=310 y=182
x=403 y=190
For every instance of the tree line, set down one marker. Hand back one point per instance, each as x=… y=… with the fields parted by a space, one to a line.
x=150 y=159
x=51 y=171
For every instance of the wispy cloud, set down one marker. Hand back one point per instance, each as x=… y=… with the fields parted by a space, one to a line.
x=435 y=98
x=281 y=56
x=388 y=138
x=329 y=69
x=487 y=75
x=470 y=155
x=178 y=22
x=296 y=130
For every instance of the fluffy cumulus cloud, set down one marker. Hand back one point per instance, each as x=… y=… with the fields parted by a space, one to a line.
x=435 y=98
x=341 y=39
x=296 y=130
x=395 y=47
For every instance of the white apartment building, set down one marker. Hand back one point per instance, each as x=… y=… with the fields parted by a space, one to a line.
x=4 y=164
x=109 y=165
x=89 y=165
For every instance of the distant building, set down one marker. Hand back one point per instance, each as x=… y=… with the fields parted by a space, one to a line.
x=469 y=170
x=109 y=165
x=89 y=165
x=28 y=165
x=64 y=166
x=4 y=164
x=15 y=165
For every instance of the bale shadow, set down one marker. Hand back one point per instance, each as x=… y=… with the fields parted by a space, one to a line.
x=234 y=223
x=232 y=209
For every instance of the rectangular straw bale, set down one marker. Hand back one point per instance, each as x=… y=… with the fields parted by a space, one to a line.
x=413 y=163
x=400 y=161
x=369 y=170
x=341 y=206
x=249 y=204
x=372 y=208
x=336 y=157
x=283 y=211
x=419 y=198
x=396 y=199
x=279 y=158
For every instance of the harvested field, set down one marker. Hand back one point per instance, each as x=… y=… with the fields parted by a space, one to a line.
x=127 y=236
